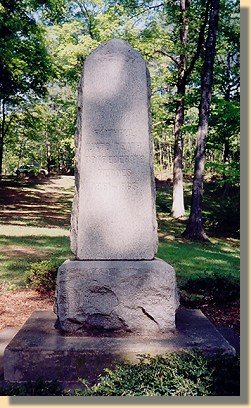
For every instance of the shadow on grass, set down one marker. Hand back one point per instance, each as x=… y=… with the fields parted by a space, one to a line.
x=26 y=203
x=18 y=253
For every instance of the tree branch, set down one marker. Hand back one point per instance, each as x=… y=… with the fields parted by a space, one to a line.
x=87 y=15
x=147 y=9
x=201 y=40
x=168 y=55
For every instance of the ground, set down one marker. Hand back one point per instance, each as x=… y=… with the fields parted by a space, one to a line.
x=44 y=206
x=17 y=306
x=223 y=316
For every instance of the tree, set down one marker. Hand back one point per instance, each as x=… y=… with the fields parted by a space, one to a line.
x=223 y=138
x=24 y=62
x=195 y=229
x=184 y=70
x=183 y=53
x=45 y=134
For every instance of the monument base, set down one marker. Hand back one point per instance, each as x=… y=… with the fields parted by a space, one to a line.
x=40 y=351
x=110 y=298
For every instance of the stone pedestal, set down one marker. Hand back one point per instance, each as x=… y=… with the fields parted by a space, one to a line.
x=116 y=297
x=40 y=351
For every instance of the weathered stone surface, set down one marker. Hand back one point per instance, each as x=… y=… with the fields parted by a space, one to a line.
x=114 y=206
x=102 y=297
x=40 y=351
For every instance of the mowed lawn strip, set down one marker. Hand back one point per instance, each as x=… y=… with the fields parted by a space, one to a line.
x=21 y=245
x=34 y=226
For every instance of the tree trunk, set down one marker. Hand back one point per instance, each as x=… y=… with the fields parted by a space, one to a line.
x=227 y=98
x=2 y=138
x=195 y=229
x=48 y=156
x=1 y=156
x=178 y=209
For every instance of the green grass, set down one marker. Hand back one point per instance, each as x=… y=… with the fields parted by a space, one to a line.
x=38 y=237
x=35 y=223
x=189 y=258
x=31 y=249
x=220 y=255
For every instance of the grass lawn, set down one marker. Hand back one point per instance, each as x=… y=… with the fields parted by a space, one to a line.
x=34 y=226
x=17 y=253
x=35 y=222
x=221 y=254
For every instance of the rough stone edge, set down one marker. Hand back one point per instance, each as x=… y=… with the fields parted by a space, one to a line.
x=77 y=142
x=153 y=185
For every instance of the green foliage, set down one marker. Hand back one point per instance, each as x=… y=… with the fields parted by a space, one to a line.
x=45 y=134
x=171 y=375
x=184 y=374
x=222 y=204
x=42 y=275
x=229 y=173
x=217 y=288
x=24 y=62
x=33 y=388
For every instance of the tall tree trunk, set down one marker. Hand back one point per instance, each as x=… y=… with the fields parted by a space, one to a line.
x=1 y=155
x=195 y=229
x=2 y=138
x=178 y=209
x=227 y=98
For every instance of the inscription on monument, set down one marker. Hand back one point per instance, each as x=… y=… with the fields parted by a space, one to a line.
x=113 y=161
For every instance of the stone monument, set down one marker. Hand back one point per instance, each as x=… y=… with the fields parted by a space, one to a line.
x=114 y=293
x=114 y=285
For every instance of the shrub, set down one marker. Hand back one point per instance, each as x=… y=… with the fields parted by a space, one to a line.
x=42 y=275
x=6 y=286
x=217 y=288
x=170 y=375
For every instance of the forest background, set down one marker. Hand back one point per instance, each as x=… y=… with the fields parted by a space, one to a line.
x=192 y=50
